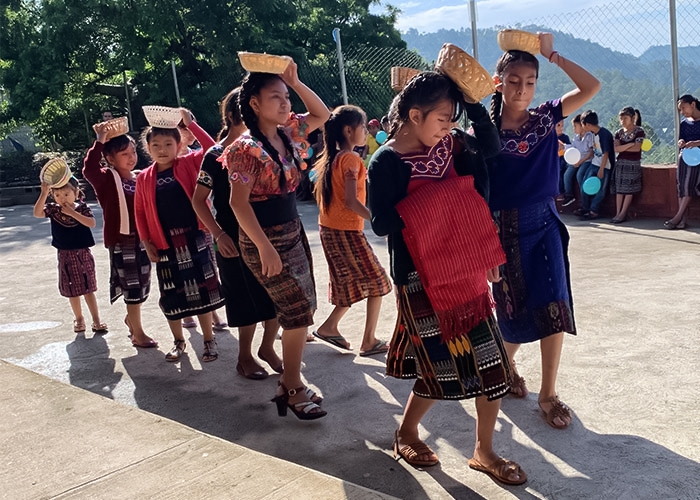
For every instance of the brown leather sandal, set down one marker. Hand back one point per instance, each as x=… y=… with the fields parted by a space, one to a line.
x=518 y=389
x=501 y=470
x=409 y=452
x=558 y=410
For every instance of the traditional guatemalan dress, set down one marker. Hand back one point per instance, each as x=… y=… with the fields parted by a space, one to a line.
x=448 y=359
x=533 y=300
x=293 y=291
x=247 y=302
x=354 y=269
x=688 y=178
x=76 y=265
x=130 y=268
x=627 y=175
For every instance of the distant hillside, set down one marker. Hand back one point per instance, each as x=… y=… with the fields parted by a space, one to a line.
x=643 y=82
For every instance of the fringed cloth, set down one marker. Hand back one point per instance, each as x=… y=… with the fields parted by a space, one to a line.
x=453 y=243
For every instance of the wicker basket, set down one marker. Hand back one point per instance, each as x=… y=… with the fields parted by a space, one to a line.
x=263 y=63
x=55 y=173
x=470 y=76
x=519 y=40
x=116 y=127
x=162 y=116
x=400 y=76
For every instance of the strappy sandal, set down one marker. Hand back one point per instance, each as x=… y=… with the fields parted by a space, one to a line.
x=518 y=389
x=210 y=353
x=313 y=397
x=79 y=325
x=176 y=352
x=99 y=328
x=501 y=470
x=409 y=452
x=303 y=410
x=558 y=410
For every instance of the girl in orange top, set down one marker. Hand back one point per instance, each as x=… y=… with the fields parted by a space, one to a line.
x=355 y=271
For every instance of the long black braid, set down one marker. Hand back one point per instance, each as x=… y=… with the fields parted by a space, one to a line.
x=252 y=84
x=424 y=91
x=229 y=104
x=510 y=57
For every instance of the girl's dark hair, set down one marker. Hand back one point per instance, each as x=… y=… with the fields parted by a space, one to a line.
x=633 y=113
x=576 y=119
x=508 y=58
x=229 y=104
x=117 y=144
x=589 y=117
x=689 y=99
x=341 y=117
x=150 y=132
x=251 y=86
x=424 y=91
x=74 y=185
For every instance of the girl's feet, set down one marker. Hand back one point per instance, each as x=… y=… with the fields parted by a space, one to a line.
x=79 y=325
x=249 y=368
x=414 y=451
x=210 y=353
x=189 y=322
x=176 y=352
x=272 y=359
x=557 y=414
x=99 y=328
x=298 y=401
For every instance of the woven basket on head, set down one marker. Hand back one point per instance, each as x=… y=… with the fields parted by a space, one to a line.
x=470 y=76
x=400 y=76
x=162 y=116
x=519 y=40
x=55 y=173
x=263 y=63
x=116 y=127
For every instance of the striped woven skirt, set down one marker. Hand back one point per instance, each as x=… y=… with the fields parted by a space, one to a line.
x=687 y=179
x=76 y=272
x=130 y=270
x=293 y=291
x=354 y=269
x=475 y=365
x=186 y=275
x=533 y=298
x=627 y=177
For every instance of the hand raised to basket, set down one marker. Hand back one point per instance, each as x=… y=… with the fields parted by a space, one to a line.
x=290 y=75
x=187 y=116
x=546 y=44
x=101 y=129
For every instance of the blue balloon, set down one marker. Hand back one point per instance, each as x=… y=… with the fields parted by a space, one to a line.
x=691 y=156
x=381 y=137
x=591 y=185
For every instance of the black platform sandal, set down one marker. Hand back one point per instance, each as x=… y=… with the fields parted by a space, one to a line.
x=304 y=410
x=313 y=397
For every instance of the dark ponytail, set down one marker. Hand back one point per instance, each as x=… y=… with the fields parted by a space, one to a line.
x=508 y=58
x=252 y=84
x=229 y=105
x=689 y=99
x=632 y=113
x=341 y=117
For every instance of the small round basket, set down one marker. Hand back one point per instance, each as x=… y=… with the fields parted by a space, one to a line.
x=55 y=173
x=116 y=127
x=519 y=40
x=470 y=76
x=263 y=63
x=400 y=76
x=162 y=116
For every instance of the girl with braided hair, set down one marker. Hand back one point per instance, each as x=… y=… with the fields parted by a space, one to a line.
x=264 y=167
x=533 y=300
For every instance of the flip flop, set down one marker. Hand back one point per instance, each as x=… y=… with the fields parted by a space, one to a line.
x=220 y=326
x=336 y=340
x=500 y=470
x=189 y=324
x=145 y=345
x=381 y=347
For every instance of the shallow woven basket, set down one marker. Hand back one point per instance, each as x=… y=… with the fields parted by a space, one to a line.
x=263 y=63
x=400 y=76
x=55 y=173
x=519 y=40
x=162 y=116
x=470 y=76
x=116 y=127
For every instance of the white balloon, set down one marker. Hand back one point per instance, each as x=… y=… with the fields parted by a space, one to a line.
x=572 y=155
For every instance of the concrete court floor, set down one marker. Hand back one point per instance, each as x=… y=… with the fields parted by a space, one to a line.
x=630 y=375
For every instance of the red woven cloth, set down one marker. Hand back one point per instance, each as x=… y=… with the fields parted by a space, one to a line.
x=453 y=243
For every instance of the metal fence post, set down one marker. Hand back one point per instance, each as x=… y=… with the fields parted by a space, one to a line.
x=177 y=88
x=341 y=66
x=472 y=16
x=674 y=69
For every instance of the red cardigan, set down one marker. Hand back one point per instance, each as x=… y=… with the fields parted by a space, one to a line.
x=102 y=181
x=186 y=170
